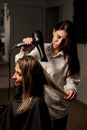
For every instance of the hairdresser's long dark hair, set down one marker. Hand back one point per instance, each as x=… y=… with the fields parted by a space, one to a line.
x=69 y=47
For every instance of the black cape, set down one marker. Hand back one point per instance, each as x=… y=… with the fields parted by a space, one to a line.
x=36 y=117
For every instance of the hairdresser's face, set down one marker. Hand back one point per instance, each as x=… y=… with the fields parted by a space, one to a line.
x=17 y=77
x=59 y=37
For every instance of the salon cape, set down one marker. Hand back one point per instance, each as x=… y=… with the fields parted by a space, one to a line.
x=36 y=117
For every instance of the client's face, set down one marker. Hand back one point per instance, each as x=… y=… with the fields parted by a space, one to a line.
x=18 y=77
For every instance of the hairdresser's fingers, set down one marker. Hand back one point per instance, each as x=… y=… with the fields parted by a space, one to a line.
x=28 y=40
x=71 y=94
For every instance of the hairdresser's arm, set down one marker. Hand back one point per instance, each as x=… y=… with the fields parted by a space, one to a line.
x=29 y=50
x=71 y=86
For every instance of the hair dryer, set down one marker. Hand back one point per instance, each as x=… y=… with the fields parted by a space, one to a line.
x=38 y=41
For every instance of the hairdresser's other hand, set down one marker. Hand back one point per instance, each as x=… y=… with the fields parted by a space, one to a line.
x=28 y=41
x=71 y=94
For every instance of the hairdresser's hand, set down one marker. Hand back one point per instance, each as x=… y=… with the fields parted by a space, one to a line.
x=29 y=41
x=71 y=94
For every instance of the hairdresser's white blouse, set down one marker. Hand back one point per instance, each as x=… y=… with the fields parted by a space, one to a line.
x=57 y=68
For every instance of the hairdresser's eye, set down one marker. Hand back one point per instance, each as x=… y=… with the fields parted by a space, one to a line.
x=58 y=36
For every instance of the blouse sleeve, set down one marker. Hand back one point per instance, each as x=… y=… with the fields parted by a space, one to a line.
x=72 y=82
x=34 y=53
